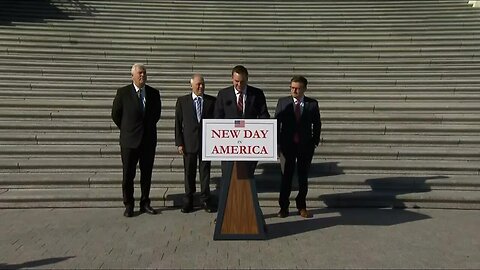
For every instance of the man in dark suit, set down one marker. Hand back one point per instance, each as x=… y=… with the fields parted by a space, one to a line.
x=136 y=110
x=189 y=112
x=241 y=101
x=298 y=121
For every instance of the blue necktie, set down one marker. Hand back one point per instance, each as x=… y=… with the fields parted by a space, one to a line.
x=140 y=100
x=198 y=107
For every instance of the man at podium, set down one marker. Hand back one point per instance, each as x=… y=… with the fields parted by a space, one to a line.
x=241 y=101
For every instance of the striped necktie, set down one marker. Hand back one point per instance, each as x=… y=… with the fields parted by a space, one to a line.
x=240 y=102
x=140 y=100
x=198 y=108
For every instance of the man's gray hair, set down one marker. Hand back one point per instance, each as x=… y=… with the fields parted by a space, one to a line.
x=196 y=75
x=137 y=66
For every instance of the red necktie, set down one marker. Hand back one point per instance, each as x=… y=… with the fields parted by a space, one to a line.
x=298 y=115
x=240 y=103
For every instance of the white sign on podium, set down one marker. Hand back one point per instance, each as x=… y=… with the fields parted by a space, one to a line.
x=239 y=139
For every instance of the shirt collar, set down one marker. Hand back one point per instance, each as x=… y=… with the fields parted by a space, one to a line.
x=137 y=88
x=195 y=96
x=237 y=92
x=298 y=100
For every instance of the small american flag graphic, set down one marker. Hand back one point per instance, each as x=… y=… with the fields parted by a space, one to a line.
x=239 y=123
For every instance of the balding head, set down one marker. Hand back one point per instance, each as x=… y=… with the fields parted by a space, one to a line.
x=197 y=84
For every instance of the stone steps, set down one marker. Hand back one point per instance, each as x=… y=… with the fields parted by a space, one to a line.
x=397 y=83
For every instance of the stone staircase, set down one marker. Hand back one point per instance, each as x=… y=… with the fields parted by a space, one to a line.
x=398 y=85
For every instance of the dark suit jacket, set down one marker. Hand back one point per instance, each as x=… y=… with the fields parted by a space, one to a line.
x=135 y=126
x=188 y=131
x=309 y=128
x=255 y=104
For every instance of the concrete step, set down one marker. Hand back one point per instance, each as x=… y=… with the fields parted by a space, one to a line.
x=126 y=60
x=165 y=81
x=313 y=24
x=262 y=14
x=171 y=96
x=344 y=128
x=163 y=197
x=274 y=46
x=221 y=14
x=320 y=165
x=266 y=181
x=327 y=128
x=173 y=90
x=180 y=74
x=310 y=32
x=343 y=113
x=25 y=137
x=169 y=104
x=198 y=63
x=268 y=53
x=272 y=95
x=344 y=116
x=179 y=65
x=465 y=153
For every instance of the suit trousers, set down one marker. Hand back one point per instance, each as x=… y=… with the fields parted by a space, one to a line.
x=144 y=155
x=190 y=165
x=301 y=159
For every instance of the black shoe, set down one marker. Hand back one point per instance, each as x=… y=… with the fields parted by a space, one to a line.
x=128 y=212
x=187 y=208
x=148 y=209
x=283 y=213
x=209 y=208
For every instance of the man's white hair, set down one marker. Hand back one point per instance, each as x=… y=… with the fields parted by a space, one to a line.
x=196 y=75
x=137 y=66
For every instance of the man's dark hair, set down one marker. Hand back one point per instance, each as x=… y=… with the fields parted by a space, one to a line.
x=240 y=70
x=299 y=79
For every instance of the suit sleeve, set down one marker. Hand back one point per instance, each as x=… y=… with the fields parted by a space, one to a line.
x=278 y=116
x=179 y=124
x=263 y=112
x=117 y=109
x=158 y=113
x=317 y=124
x=219 y=111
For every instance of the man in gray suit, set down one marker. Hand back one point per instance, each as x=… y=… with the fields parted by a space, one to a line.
x=190 y=110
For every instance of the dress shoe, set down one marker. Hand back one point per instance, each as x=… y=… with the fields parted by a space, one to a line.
x=187 y=208
x=209 y=208
x=148 y=209
x=283 y=213
x=128 y=212
x=304 y=213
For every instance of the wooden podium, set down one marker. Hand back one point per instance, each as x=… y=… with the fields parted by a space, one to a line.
x=239 y=215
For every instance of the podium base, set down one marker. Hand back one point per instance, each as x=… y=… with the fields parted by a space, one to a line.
x=239 y=215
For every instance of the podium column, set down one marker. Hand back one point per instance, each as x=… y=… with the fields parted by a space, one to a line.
x=239 y=215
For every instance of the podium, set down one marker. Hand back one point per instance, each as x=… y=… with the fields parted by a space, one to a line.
x=239 y=144
x=239 y=215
